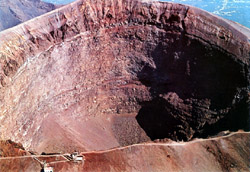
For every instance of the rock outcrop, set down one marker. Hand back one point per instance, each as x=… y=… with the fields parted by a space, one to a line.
x=11 y=149
x=94 y=75
x=14 y=12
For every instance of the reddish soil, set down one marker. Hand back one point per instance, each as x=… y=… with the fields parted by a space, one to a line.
x=224 y=153
x=97 y=75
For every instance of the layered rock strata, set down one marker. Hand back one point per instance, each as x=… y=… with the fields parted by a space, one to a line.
x=98 y=74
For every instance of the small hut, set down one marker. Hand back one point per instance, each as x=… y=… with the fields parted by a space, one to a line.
x=76 y=157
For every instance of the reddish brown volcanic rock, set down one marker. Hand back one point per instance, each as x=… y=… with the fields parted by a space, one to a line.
x=220 y=154
x=228 y=153
x=10 y=149
x=95 y=75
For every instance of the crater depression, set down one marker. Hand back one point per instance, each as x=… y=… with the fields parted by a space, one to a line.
x=93 y=76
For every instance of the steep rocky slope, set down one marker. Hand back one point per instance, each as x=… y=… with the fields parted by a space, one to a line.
x=13 y=12
x=95 y=75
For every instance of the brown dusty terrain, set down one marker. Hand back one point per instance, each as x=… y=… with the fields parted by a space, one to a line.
x=76 y=78
x=225 y=153
x=101 y=74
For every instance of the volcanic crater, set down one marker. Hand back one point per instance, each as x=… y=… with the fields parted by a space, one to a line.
x=95 y=75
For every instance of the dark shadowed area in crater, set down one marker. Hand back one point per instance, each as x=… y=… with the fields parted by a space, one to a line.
x=197 y=90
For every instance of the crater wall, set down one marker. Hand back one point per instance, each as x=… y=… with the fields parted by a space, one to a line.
x=100 y=74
